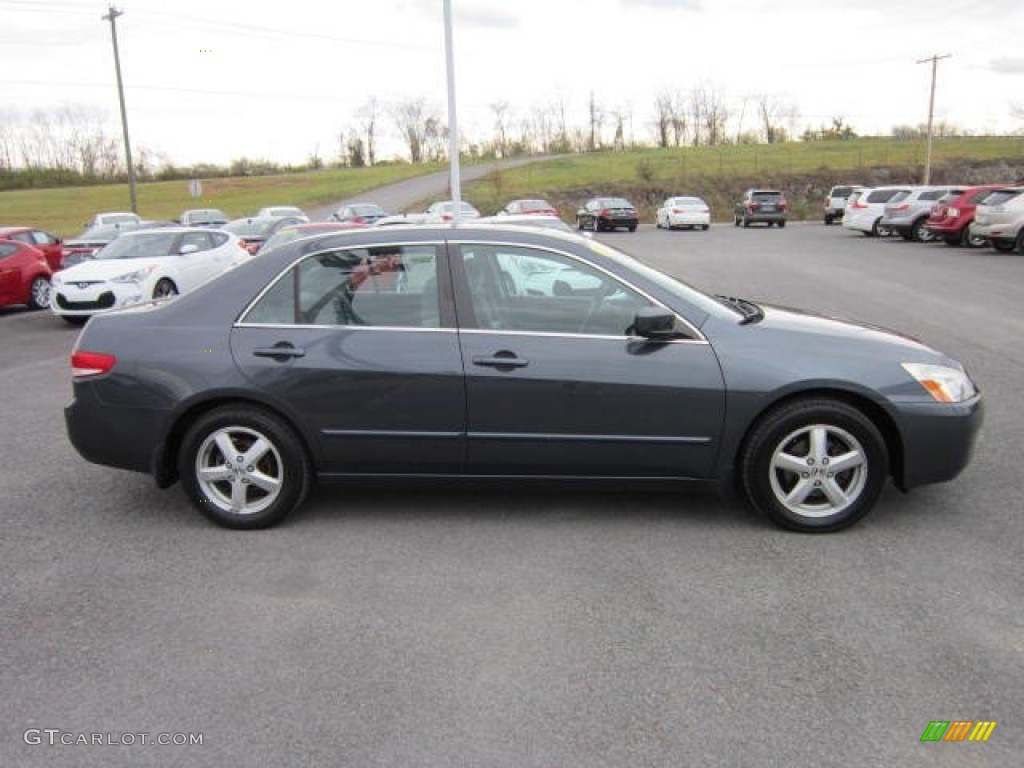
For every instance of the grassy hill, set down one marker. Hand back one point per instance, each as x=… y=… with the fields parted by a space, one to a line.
x=63 y=211
x=805 y=171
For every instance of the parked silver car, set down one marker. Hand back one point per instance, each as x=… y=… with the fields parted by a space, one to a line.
x=1000 y=219
x=907 y=212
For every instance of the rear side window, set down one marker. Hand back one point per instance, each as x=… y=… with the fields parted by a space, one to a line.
x=6 y=249
x=934 y=194
x=381 y=286
x=979 y=197
x=899 y=197
x=885 y=195
x=1002 y=196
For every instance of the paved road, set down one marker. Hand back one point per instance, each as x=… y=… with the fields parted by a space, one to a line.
x=401 y=195
x=380 y=628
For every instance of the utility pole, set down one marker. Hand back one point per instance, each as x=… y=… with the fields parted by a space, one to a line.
x=931 y=111
x=455 y=180
x=111 y=16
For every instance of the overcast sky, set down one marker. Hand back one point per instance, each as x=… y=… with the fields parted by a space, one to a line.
x=212 y=80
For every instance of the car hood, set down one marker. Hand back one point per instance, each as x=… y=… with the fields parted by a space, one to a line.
x=105 y=269
x=804 y=325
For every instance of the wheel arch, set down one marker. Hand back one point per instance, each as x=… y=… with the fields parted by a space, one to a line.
x=882 y=420
x=165 y=458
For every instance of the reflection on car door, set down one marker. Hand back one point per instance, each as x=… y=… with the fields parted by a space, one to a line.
x=358 y=345
x=556 y=385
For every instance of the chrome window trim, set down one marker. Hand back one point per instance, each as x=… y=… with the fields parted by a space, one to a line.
x=241 y=323
x=554 y=334
x=698 y=336
x=314 y=326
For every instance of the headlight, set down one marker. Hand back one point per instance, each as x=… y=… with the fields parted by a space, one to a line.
x=134 y=277
x=947 y=385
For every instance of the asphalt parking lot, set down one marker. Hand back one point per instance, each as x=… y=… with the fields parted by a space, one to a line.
x=570 y=628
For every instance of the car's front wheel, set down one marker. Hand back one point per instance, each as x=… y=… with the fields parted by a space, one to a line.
x=814 y=465
x=39 y=293
x=243 y=467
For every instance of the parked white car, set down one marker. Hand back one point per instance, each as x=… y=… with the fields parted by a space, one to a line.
x=690 y=212
x=143 y=265
x=113 y=217
x=445 y=211
x=1000 y=219
x=277 y=211
x=865 y=208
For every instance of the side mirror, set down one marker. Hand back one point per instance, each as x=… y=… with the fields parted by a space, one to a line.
x=656 y=323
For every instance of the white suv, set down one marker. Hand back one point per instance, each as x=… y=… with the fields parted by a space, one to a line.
x=835 y=203
x=864 y=210
x=1000 y=219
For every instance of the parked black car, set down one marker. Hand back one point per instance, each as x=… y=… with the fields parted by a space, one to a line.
x=488 y=352
x=602 y=213
x=761 y=206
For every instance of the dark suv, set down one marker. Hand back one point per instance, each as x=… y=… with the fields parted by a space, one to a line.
x=767 y=206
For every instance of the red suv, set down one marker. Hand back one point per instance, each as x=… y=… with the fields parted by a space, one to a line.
x=952 y=215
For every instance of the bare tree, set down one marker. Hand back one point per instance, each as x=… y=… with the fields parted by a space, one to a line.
x=435 y=139
x=596 y=118
x=501 y=126
x=410 y=117
x=664 y=110
x=770 y=113
x=367 y=116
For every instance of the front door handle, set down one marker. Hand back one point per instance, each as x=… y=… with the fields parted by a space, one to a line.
x=503 y=359
x=280 y=352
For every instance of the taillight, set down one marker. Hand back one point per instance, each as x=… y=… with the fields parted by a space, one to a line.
x=783 y=206
x=904 y=207
x=858 y=205
x=447 y=217
x=85 y=365
x=753 y=206
x=243 y=245
x=677 y=210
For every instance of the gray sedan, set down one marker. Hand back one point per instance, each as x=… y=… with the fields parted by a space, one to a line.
x=434 y=353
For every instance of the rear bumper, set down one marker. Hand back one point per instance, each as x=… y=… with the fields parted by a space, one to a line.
x=938 y=440
x=126 y=438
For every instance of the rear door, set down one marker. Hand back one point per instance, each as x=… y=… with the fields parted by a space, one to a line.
x=358 y=345
x=557 y=386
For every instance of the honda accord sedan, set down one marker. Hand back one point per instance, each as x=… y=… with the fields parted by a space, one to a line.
x=406 y=354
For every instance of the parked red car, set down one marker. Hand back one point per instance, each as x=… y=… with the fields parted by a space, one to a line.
x=952 y=215
x=24 y=275
x=49 y=244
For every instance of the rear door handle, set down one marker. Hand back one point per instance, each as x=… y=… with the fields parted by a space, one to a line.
x=501 y=360
x=280 y=352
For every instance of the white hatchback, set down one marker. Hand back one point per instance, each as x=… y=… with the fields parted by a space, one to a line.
x=143 y=265
x=691 y=212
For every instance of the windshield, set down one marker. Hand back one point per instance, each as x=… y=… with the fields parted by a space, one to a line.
x=143 y=246
x=683 y=290
x=615 y=202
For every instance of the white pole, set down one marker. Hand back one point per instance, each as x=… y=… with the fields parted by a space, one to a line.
x=453 y=125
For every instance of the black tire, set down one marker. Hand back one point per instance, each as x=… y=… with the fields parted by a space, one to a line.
x=735 y=220
x=579 y=223
x=284 y=462
x=705 y=227
x=1020 y=242
x=39 y=293
x=828 y=220
x=782 y=224
x=746 y=222
x=919 y=233
x=1003 y=246
x=632 y=227
x=968 y=240
x=783 y=437
x=164 y=288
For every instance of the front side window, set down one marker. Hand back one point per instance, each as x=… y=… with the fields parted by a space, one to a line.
x=379 y=286
x=142 y=246
x=514 y=288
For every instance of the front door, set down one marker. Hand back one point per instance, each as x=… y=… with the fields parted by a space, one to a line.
x=557 y=385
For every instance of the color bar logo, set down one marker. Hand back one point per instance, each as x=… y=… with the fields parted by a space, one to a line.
x=958 y=730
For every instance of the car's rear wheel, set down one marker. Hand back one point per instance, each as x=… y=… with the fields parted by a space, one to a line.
x=746 y=222
x=39 y=293
x=782 y=224
x=1020 y=241
x=164 y=288
x=632 y=227
x=814 y=465
x=705 y=227
x=1002 y=245
x=828 y=220
x=243 y=467
x=735 y=220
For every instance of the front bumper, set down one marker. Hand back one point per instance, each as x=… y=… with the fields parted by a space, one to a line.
x=938 y=440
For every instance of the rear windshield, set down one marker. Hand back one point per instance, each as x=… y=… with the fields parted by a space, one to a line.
x=885 y=195
x=841 y=191
x=766 y=195
x=1002 y=196
x=615 y=202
